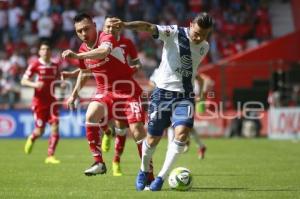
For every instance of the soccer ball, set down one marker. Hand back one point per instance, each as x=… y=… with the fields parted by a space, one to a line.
x=180 y=179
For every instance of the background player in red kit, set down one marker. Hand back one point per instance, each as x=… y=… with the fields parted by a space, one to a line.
x=43 y=102
x=132 y=59
x=118 y=95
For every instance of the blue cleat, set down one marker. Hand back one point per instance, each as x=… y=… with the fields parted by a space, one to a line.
x=141 y=180
x=157 y=184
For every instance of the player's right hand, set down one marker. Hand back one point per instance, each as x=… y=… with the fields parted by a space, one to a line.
x=117 y=23
x=69 y=54
x=71 y=102
x=39 y=85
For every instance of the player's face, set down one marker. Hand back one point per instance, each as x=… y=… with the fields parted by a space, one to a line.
x=45 y=52
x=86 y=31
x=197 y=33
x=109 y=28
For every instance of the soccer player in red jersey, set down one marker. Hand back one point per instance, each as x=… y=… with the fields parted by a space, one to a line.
x=131 y=56
x=43 y=104
x=118 y=95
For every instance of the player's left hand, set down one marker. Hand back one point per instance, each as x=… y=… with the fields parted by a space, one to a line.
x=117 y=23
x=71 y=102
x=69 y=54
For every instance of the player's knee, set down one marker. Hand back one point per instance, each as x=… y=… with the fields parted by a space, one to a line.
x=54 y=128
x=95 y=113
x=153 y=141
x=138 y=131
x=91 y=118
x=182 y=133
x=183 y=137
x=121 y=131
x=39 y=131
x=178 y=146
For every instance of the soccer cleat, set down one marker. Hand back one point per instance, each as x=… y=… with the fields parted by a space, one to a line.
x=28 y=146
x=95 y=169
x=51 y=160
x=156 y=184
x=106 y=140
x=141 y=180
x=116 y=167
x=201 y=152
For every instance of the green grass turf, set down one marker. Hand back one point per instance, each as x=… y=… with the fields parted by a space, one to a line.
x=234 y=168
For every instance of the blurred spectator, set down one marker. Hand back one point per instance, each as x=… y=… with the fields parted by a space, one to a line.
x=15 y=20
x=9 y=90
x=67 y=18
x=246 y=125
x=3 y=22
x=45 y=27
x=295 y=95
x=42 y=6
x=251 y=125
x=278 y=86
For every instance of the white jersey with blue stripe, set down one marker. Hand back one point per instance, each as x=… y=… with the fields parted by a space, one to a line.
x=175 y=67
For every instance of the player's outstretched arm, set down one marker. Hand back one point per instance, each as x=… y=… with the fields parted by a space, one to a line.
x=200 y=82
x=142 y=26
x=81 y=80
x=68 y=74
x=98 y=53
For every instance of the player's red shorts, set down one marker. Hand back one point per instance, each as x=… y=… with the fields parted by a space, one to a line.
x=119 y=107
x=45 y=113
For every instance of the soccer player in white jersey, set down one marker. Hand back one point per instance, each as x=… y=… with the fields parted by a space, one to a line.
x=172 y=101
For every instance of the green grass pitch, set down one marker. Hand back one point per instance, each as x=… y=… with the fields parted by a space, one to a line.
x=236 y=168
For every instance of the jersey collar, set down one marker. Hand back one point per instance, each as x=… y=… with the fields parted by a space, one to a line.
x=44 y=63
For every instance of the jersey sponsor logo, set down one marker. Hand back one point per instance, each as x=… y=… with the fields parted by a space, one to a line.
x=186 y=61
x=7 y=125
x=183 y=46
x=91 y=63
x=202 y=51
x=184 y=72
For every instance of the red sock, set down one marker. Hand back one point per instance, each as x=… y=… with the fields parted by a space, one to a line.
x=105 y=129
x=139 y=146
x=33 y=137
x=93 y=137
x=53 y=140
x=119 y=147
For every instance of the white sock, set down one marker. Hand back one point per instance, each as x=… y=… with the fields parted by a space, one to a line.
x=170 y=132
x=174 y=149
x=147 y=153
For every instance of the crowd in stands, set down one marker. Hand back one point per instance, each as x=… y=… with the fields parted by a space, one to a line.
x=24 y=23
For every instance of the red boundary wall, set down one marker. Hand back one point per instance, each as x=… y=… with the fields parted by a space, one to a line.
x=241 y=69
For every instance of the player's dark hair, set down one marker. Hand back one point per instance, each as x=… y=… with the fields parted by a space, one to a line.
x=109 y=16
x=204 y=20
x=46 y=43
x=82 y=16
